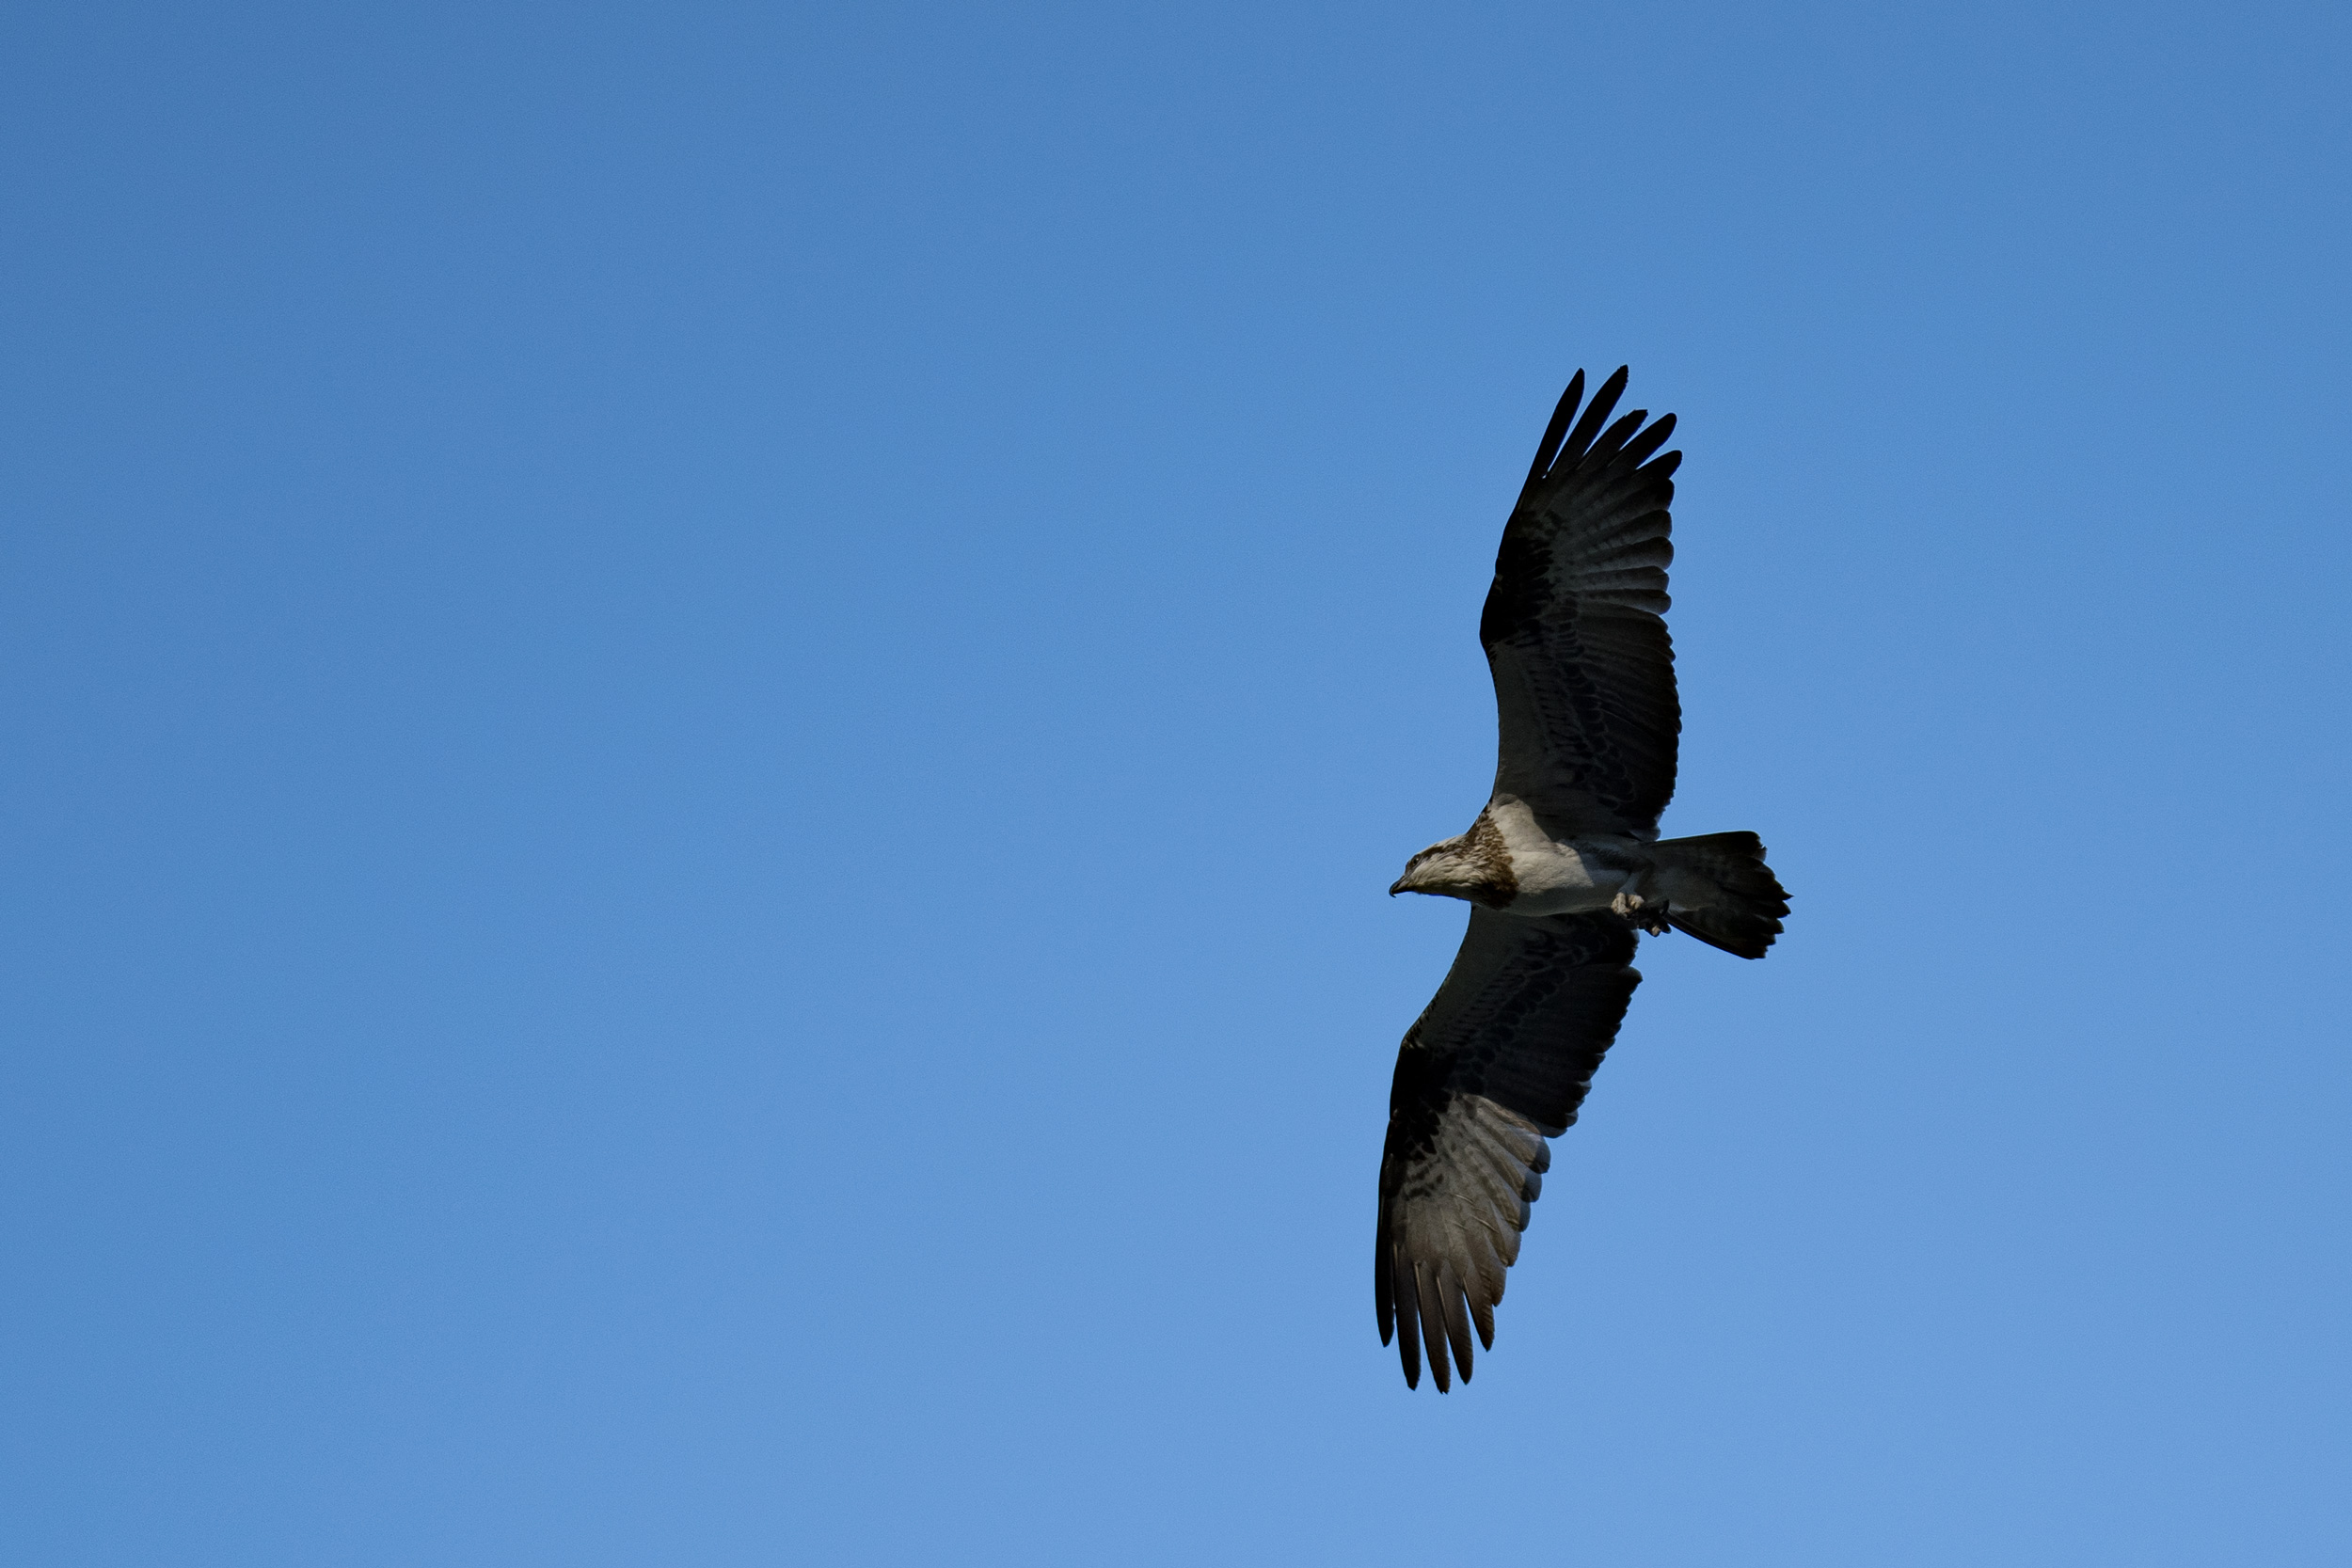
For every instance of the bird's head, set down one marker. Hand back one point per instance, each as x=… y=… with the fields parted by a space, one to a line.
x=1463 y=867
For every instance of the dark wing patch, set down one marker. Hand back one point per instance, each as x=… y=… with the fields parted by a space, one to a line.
x=1498 y=1061
x=1573 y=626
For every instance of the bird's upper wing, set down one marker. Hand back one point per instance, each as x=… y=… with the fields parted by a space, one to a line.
x=1584 y=680
x=1498 y=1062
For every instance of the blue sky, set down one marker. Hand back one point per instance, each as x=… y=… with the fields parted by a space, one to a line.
x=708 y=706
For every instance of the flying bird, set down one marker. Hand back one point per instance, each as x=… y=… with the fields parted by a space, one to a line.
x=1561 y=870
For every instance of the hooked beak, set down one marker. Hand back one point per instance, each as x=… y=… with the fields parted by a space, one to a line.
x=1396 y=887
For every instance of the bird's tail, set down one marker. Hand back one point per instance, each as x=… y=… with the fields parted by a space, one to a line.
x=1717 y=888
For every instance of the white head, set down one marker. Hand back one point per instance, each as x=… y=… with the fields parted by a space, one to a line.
x=1474 y=867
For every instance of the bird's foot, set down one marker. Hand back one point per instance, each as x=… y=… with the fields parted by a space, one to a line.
x=1634 y=907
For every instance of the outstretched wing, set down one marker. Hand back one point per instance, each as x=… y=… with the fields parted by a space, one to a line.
x=1584 y=679
x=1498 y=1061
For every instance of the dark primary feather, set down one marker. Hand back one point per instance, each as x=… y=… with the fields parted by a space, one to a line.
x=1548 y=448
x=1500 y=1060
x=1589 y=720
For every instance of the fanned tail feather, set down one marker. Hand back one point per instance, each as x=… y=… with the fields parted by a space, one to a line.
x=1718 y=889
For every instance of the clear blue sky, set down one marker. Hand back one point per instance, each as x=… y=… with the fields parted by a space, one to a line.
x=708 y=705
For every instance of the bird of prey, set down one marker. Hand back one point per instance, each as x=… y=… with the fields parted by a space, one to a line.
x=1561 y=869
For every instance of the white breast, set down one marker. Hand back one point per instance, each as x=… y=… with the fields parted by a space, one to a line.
x=1555 y=876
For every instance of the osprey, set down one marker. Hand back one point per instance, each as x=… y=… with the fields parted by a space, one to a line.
x=1561 y=869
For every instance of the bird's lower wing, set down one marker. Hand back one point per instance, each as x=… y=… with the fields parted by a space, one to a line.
x=1498 y=1061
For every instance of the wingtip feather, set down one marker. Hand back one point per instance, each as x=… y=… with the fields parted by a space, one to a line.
x=1596 y=413
x=1548 y=448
